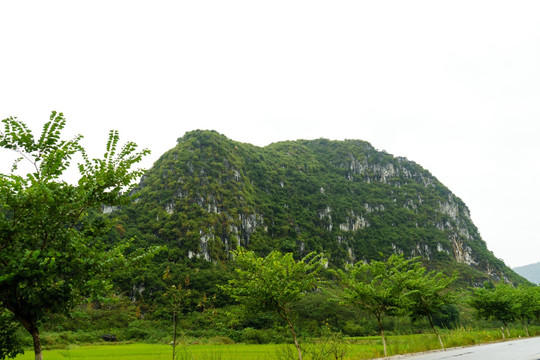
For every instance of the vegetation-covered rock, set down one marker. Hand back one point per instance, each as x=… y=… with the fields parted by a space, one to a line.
x=209 y=195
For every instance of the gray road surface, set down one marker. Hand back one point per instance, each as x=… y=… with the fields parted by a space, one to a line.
x=523 y=349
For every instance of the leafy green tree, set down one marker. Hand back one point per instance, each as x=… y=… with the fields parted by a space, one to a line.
x=536 y=309
x=377 y=287
x=525 y=303
x=427 y=294
x=273 y=283
x=49 y=257
x=494 y=302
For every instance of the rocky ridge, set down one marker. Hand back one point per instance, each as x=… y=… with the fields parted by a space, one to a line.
x=209 y=195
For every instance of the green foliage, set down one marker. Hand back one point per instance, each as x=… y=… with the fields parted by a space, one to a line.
x=318 y=309
x=330 y=345
x=179 y=296
x=494 y=302
x=273 y=283
x=526 y=302
x=49 y=257
x=258 y=336
x=209 y=195
x=378 y=286
x=447 y=316
x=10 y=343
x=427 y=294
x=357 y=348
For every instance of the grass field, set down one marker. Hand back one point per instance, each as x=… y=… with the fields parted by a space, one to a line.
x=355 y=348
x=159 y=352
x=197 y=352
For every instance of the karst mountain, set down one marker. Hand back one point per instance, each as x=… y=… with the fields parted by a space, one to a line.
x=209 y=195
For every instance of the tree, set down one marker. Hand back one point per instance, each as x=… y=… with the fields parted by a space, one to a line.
x=427 y=294
x=49 y=258
x=494 y=302
x=377 y=287
x=179 y=296
x=536 y=308
x=525 y=303
x=273 y=283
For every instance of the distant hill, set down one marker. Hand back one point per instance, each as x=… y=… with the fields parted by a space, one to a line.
x=209 y=195
x=530 y=272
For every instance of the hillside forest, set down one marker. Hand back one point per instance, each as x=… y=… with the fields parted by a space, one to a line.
x=232 y=242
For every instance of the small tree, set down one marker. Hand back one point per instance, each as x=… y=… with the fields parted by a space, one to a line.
x=494 y=303
x=179 y=296
x=427 y=294
x=49 y=257
x=273 y=283
x=377 y=287
x=524 y=304
x=536 y=308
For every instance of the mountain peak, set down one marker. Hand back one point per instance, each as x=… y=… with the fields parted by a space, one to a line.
x=210 y=194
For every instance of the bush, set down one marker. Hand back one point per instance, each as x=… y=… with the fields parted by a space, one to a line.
x=11 y=343
x=352 y=328
x=256 y=336
x=447 y=317
x=138 y=331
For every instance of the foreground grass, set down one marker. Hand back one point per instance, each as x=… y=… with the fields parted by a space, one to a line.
x=159 y=352
x=355 y=348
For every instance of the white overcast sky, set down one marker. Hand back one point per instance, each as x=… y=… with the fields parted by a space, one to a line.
x=451 y=85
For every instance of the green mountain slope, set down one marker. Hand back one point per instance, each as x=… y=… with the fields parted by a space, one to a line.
x=209 y=194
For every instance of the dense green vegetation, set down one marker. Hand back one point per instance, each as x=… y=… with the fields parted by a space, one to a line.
x=355 y=348
x=507 y=304
x=50 y=257
x=378 y=287
x=345 y=199
x=274 y=283
x=209 y=197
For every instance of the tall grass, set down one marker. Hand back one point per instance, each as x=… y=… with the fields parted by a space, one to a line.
x=402 y=344
x=358 y=348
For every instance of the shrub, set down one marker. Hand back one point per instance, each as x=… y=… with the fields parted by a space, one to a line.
x=138 y=331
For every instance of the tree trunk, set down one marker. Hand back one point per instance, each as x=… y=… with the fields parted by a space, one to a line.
x=31 y=327
x=436 y=332
x=382 y=335
x=295 y=339
x=507 y=331
x=174 y=336
x=502 y=332
x=525 y=327
x=37 y=344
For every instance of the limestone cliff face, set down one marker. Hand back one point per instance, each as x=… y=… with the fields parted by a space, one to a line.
x=209 y=195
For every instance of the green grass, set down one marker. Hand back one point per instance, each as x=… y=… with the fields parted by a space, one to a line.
x=158 y=352
x=357 y=348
